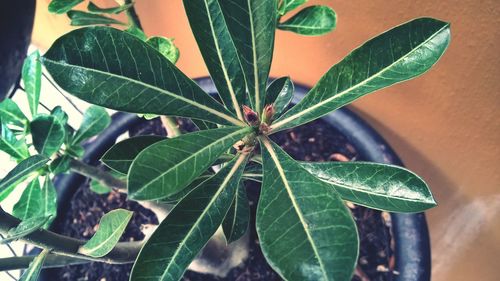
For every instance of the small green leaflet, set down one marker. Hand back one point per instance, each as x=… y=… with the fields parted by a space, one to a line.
x=95 y=120
x=236 y=222
x=165 y=46
x=252 y=24
x=30 y=203
x=120 y=156
x=111 y=228
x=48 y=134
x=9 y=144
x=118 y=70
x=399 y=54
x=166 y=167
x=25 y=228
x=35 y=266
x=32 y=78
x=10 y=113
x=60 y=165
x=188 y=227
x=218 y=50
x=305 y=230
x=62 y=6
x=137 y=32
x=289 y=5
x=311 y=21
x=280 y=94
x=80 y=18
x=378 y=186
x=20 y=172
x=98 y=188
x=94 y=9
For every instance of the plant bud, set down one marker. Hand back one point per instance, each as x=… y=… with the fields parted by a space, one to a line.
x=250 y=116
x=268 y=114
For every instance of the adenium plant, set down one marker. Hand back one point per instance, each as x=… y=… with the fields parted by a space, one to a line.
x=305 y=230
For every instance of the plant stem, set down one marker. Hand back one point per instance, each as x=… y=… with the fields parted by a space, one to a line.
x=123 y=252
x=170 y=126
x=52 y=260
x=132 y=15
x=103 y=177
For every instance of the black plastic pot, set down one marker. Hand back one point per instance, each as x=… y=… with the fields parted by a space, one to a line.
x=410 y=230
x=16 y=24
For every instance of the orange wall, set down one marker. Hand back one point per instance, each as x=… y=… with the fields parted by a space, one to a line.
x=445 y=124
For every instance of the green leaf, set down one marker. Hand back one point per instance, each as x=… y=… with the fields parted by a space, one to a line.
x=48 y=134
x=120 y=156
x=236 y=222
x=24 y=228
x=280 y=93
x=218 y=50
x=49 y=200
x=189 y=226
x=111 y=228
x=75 y=150
x=93 y=8
x=204 y=125
x=174 y=199
x=168 y=166
x=305 y=230
x=35 y=266
x=137 y=32
x=9 y=144
x=20 y=172
x=30 y=203
x=60 y=165
x=10 y=113
x=253 y=172
x=62 y=6
x=311 y=21
x=95 y=120
x=378 y=186
x=98 y=188
x=165 y=46
x=399 y=54
x=60 y=115
x=289 y=5
x=252 y=24
x=80 y=18
x=117 y=70
x=32 y=78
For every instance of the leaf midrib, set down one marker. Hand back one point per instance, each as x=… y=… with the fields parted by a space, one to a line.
x=254 y=58
x=231 y=173
x=168 y=93
x=281 y=171
x=279 y=124
x=189 y=158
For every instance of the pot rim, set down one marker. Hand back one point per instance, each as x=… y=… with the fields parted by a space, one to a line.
x=410 y=232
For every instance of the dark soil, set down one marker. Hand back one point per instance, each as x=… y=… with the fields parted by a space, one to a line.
x=316 y=141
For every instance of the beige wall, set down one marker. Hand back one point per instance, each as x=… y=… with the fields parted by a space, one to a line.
x=445 y=124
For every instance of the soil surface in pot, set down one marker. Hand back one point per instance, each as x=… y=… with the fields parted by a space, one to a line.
x=316 y=141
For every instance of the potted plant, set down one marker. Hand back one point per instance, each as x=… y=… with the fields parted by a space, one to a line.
x=305 y=230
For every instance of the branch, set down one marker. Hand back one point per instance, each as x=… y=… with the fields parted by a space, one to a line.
x=51 y=261
x=103 y=177
x=171 y=126
x=132 y=15
x=123 y=252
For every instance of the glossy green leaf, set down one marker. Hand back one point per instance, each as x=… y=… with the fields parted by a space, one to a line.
x=253 y=172
x=111 y=228
x=289 y=5
x=117 y=70
x=93 y=8
x=62 y=6
x=95 y=120
x=24 y=228
x=32 y=78
x=35 y=267
x=311 y=21
x=305 y=230
x=399 y=54
x=20 y=172
x=168 y=166
x=60 y=165
x=188 y=227
x=204 y=125
x=236 y=222
x=165 y=46
x=80 y=18
x=174 y=199
x=10 y=113
x=120 y=156
x=76 y=151
x=49 y=199
x=218 y=50
x=30 y=203
x=99 y=188
x=9 y=144
x=60 y=115
x=137 y=32
x=280 y=94
x=48 y=134
x=252 y=24
x=378 y=186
